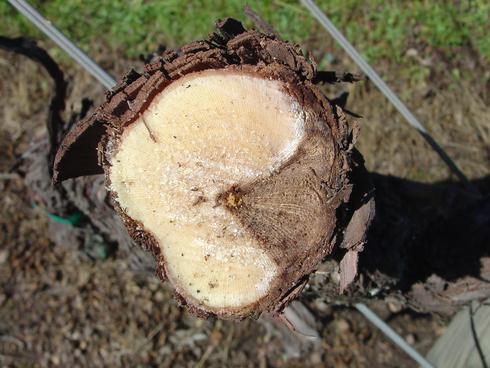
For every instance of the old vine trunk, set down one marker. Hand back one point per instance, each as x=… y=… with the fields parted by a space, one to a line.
x=228 y=163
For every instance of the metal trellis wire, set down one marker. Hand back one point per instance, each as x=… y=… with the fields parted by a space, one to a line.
x=389 y=94
x=59 y=38
x=108 y=81
x=392 y=335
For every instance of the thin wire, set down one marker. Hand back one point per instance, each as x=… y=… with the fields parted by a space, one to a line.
x=480 y=351
x=106 y=79
x=392 y=335
x=383 y=87
x=45 y=26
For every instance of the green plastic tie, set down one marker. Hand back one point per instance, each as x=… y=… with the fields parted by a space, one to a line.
x=72 y=220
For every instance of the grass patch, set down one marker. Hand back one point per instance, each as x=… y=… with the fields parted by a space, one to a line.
x=380 y=29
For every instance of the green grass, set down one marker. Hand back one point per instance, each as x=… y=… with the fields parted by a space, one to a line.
x=381 y=29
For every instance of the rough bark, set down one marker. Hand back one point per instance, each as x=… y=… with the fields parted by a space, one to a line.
x=322 y=181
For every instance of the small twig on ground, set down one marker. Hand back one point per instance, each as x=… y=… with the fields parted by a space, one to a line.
x=205 y=356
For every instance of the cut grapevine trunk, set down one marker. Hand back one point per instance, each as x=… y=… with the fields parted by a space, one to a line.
x=229 y=164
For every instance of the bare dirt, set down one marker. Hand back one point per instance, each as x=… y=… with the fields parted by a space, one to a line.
x=59 y=307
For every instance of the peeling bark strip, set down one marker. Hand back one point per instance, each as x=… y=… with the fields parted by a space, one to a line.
x=29 y=48
x=230 y=165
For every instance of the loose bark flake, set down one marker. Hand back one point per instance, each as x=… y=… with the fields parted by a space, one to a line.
x=230 y=165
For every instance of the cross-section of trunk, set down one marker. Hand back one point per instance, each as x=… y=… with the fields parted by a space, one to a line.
x=229 y=164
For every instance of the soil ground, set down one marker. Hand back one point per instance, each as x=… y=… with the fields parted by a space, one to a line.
x=60 y=308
